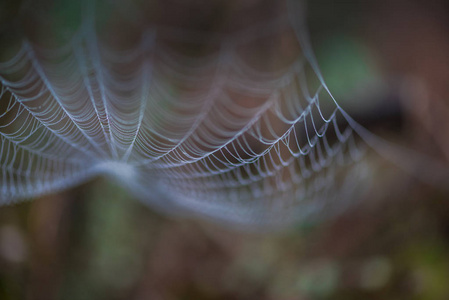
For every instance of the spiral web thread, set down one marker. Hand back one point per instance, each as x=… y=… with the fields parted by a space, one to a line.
x=208 y=135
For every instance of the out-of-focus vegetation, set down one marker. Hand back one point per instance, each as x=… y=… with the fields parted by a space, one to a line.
x=97 y=242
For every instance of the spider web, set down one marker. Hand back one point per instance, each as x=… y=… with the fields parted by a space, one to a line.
x=208 y=134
